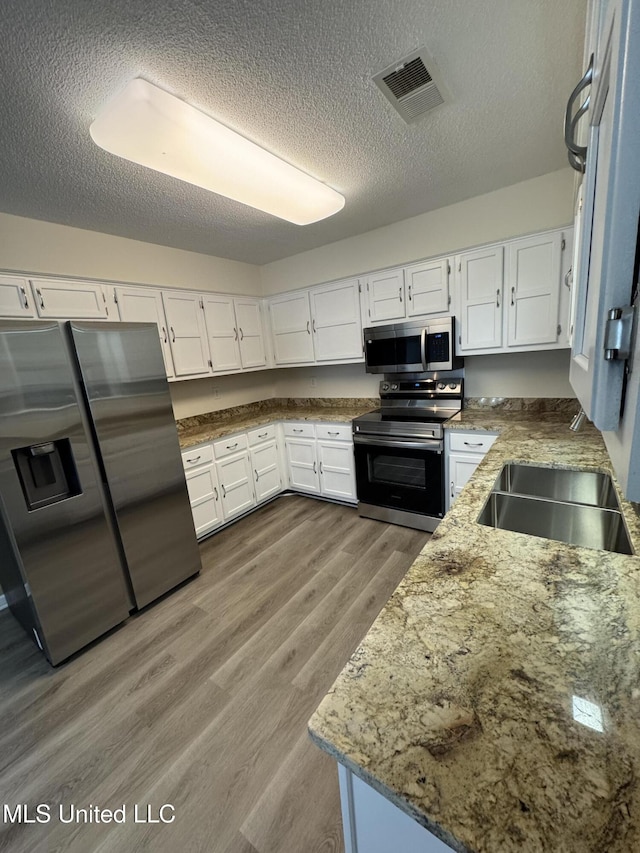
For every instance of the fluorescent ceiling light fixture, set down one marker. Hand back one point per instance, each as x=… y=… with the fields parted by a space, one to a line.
x=149 y=126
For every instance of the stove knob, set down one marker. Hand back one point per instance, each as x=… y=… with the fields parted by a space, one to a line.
x=453 y=386
x=385 y=386
x=441 y=386
x=394 y=387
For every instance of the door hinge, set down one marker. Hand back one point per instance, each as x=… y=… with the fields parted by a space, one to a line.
x=448 y=269
x=618 y=333
x=460 y=266
x=559 y=330
x=210 y=364
x=367 y=287
x=202 y=303
x=449 y=299
x=359 y=288
x=563 y=244
x=115 y=296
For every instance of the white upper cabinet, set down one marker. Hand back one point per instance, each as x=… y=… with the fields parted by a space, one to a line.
x=427 y=287
x=385 y=296
x=59 y=299
x=187 y=332
x=291 y=328
x=222 y=333
x=480 y=304
x=336 y=324
x=144 y=305
x=248 y=313
x=15 y=297
x=533 y=297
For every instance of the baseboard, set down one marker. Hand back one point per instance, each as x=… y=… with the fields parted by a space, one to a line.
x=3 y=602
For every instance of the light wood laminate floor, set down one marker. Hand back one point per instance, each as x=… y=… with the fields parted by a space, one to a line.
x=202 y=700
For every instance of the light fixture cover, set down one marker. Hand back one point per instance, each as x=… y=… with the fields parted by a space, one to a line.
x=149 y=126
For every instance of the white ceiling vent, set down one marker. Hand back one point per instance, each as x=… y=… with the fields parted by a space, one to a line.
x=410 y=85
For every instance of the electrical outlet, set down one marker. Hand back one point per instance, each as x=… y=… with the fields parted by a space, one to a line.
x=216 y=393
x=314 y=382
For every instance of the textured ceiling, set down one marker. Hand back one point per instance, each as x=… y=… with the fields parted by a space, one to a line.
x=295 y=78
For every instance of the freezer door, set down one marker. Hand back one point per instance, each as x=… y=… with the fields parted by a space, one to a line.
x=59 y=564
x=126 y=388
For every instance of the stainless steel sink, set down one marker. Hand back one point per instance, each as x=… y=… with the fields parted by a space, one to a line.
x=577 y=507
x=558 y=484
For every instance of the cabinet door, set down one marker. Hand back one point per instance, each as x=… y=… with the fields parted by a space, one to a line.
x=266 y=470
x=385 y=296
x=533 y=277
x=427 y=287
x=481 y=274
x=337 y=470
x=222 y=333
x=291 y=328
x=204 y=497
x=15 y=298
x=144 y=305
x=234 y=476
x=336 y=324
x=58 y=299
x=251 y=333
x=302 y=464
x=187 y=332
x=461 y=467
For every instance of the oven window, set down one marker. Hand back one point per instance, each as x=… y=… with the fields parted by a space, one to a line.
x=397 y=470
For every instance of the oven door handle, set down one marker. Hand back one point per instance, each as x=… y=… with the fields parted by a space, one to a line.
x=405 y=444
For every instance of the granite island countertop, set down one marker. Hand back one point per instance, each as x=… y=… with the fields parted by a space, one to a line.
x=466 y=703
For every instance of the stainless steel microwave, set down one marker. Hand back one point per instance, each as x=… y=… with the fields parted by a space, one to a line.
x=413 y=347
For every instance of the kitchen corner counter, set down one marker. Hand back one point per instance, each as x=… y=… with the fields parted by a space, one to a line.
x=465 y=704
x=202 y=428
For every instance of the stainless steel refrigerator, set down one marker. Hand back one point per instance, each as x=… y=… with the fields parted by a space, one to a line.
x=95 y=519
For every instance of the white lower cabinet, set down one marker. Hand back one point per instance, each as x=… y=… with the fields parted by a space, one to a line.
x=373 y=824
x=464 y=452
x=234 y=475
x=265 y=462
x=320 y=460
x=203 y=488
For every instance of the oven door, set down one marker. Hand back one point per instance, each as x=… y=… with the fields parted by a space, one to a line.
x=401 y=473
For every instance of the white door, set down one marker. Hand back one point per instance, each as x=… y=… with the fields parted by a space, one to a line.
x=461 y=467
x=59 y=299
x=266 y=470
x=533 y=295
x=234 y=476
x=337 y=470
x=481 y=281
x=385 y=296
x=222 y=333
x=427 y=287
x=336 y=324
x=144 y=305
x=303 y=464
x=15 y=298
x=250 y=332
x=204 y=497
x=187 y=332
x=291 y=328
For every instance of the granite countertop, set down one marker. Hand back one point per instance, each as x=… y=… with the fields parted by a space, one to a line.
x=202 y=428
x=463 y=703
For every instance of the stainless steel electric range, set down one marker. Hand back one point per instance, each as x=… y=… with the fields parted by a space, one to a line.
x=399 y=450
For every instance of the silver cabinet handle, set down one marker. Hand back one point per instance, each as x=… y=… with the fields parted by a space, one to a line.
x=224 y=491
x=40 y=297
x=315 y=469
x=474 y=444
x=313 y=325
x=232 y=446
x=577 y=153
x=498 y=298
x=256 y=473
x=173 y=334
x=263 y=434
x=216 y=492
x=409 y=293
x=195 y=459
x=241 y=334
x=513 y=295
x=332 y=433
x=235 y=332
x=164 y=334
x=293 y=429
x=400 y=293
x=567 y=278
x=452 y=490
x=321 y=468
x=24 y=296
x=308 y=329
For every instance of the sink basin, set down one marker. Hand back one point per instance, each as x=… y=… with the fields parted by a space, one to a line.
x=558 y=484
x=577 y=507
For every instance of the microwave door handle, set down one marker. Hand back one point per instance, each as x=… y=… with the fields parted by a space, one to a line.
x=423 y=348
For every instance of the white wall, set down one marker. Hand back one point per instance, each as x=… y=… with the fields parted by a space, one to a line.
x=534 y=205
x=198 y=396
x=30 y=245
x=518 y=374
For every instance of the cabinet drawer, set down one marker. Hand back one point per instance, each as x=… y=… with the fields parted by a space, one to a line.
x=195 y=456
x=303 y=430
x=265 y=433
x=224 y=446
x=470 y=442
x=339 y=432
